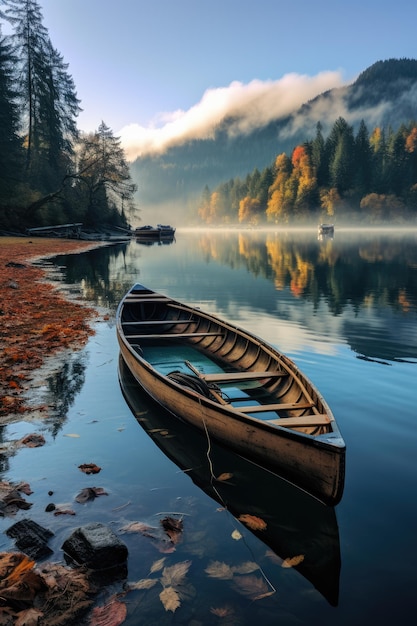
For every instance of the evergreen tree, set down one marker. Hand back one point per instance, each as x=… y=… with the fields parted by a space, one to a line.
x=363 y=161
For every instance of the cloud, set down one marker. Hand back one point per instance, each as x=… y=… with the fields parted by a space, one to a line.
x=249 y=106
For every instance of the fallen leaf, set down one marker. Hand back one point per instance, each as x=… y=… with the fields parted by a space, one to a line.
x=64 y=512
x=89 y=493
x=89 y=468
x=137 y=527
x=145 y=583
x=245 y=568
x=29 y=617
x=224 y=476
x=218 y=569
x=293 y=562
x=173 y=528
x=252 y=522
x=252 y=587
x=157 y=565
x=111 y=614
x=175 y=574
x=170 y=599
x=222 y=611
x=71 y=435
x=33 y=441
x=236 y=535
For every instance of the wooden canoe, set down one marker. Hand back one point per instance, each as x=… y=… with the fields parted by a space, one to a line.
x=295 y=522
x=239 y=390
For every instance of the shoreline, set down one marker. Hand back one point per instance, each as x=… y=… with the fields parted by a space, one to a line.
x=38 y=321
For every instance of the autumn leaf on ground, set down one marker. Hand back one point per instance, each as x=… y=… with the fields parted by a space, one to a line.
x=174 y=575
x=252 y=522
x=144 y=583
x=89 y=468
x=111 y=614
x=218 y=569
x=252 y=587
x=157 y=565
x=170 y=599
x=224 y=476
x=293 y=562
x=29 y=617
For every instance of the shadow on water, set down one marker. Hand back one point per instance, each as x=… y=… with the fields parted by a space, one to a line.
x=296 y=524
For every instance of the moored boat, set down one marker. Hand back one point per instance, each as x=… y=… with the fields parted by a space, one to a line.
x=325 y=230
x=232 y=385
x=161 y=231
x=295 y=523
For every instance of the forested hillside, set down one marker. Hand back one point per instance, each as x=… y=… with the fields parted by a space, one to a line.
x=384 y=96
x=49 y=173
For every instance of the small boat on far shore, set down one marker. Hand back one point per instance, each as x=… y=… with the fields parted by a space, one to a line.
x=325 y=230
x=161 y=231
x=233 y=386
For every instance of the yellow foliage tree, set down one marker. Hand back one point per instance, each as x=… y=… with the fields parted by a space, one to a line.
x=249 y=210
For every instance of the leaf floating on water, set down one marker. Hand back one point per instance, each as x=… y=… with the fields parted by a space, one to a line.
x=137 y=527
x=222 y=611
x=145 y=583
x=74 y=435
x=170 y=599
x=252 y=522
x=157 y=565
x=218 y=569
x=33 y=441
x=224 y=476
x=111 y=614
x=252 y=587
x=293 y=562
x=245 y=568
x=236 y=535
x=89 y=468
x=173 y=528
x=174 y=575
x=89 y=493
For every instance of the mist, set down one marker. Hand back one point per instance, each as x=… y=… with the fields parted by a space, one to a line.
x=248 y=106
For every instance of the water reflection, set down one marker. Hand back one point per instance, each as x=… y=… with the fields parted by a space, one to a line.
x=296 y=524
x=362 y=286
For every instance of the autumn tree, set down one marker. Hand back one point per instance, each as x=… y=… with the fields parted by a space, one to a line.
x=103 y=176
x=280 y=198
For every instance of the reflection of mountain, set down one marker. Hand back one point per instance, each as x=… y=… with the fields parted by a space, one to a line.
x=297 y=524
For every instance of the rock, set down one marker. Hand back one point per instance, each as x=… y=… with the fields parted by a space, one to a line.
x=96 y=546
x=31 y=538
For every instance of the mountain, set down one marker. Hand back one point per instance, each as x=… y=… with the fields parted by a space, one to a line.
x=385 y=95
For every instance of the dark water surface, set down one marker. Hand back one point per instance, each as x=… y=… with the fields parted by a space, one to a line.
x=346 y=311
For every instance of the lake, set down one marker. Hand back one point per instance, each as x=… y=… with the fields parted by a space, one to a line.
x=345 y=310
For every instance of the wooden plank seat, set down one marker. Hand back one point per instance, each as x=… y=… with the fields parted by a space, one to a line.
x=228 y=377
x=173 y=335
x=156 y=322
x=264 y=408
x=305 y=420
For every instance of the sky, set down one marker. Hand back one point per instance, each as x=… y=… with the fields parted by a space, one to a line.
x=157 y=71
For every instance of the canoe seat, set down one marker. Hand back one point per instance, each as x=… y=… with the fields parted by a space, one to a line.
x=263 y=408
x=156 y=322
x=239 y=376
x=173 y=335
x=305 y=420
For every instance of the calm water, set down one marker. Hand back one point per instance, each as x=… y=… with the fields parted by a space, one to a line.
x=346 y=311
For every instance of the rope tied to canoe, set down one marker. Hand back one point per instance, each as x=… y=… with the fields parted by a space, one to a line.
x=196 y=384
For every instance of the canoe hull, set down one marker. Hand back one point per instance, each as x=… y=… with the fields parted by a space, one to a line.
x=316 y=464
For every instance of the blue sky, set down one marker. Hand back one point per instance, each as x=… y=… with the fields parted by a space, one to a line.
x=158 y=69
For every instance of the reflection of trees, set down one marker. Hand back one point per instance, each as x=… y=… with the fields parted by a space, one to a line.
x=378 y=271
x=63 y=386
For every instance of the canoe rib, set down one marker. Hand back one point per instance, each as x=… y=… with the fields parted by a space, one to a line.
x=241 y=376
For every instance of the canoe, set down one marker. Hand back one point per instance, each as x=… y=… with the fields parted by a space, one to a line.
x=233 y=386
x=295 y=522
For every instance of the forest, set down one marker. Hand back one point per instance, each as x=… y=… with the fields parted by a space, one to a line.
x=50 y=172
x=348 y=177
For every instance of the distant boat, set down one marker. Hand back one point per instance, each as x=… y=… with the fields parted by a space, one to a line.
x=161 y=231
x=326 y=230
x=240 y=390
